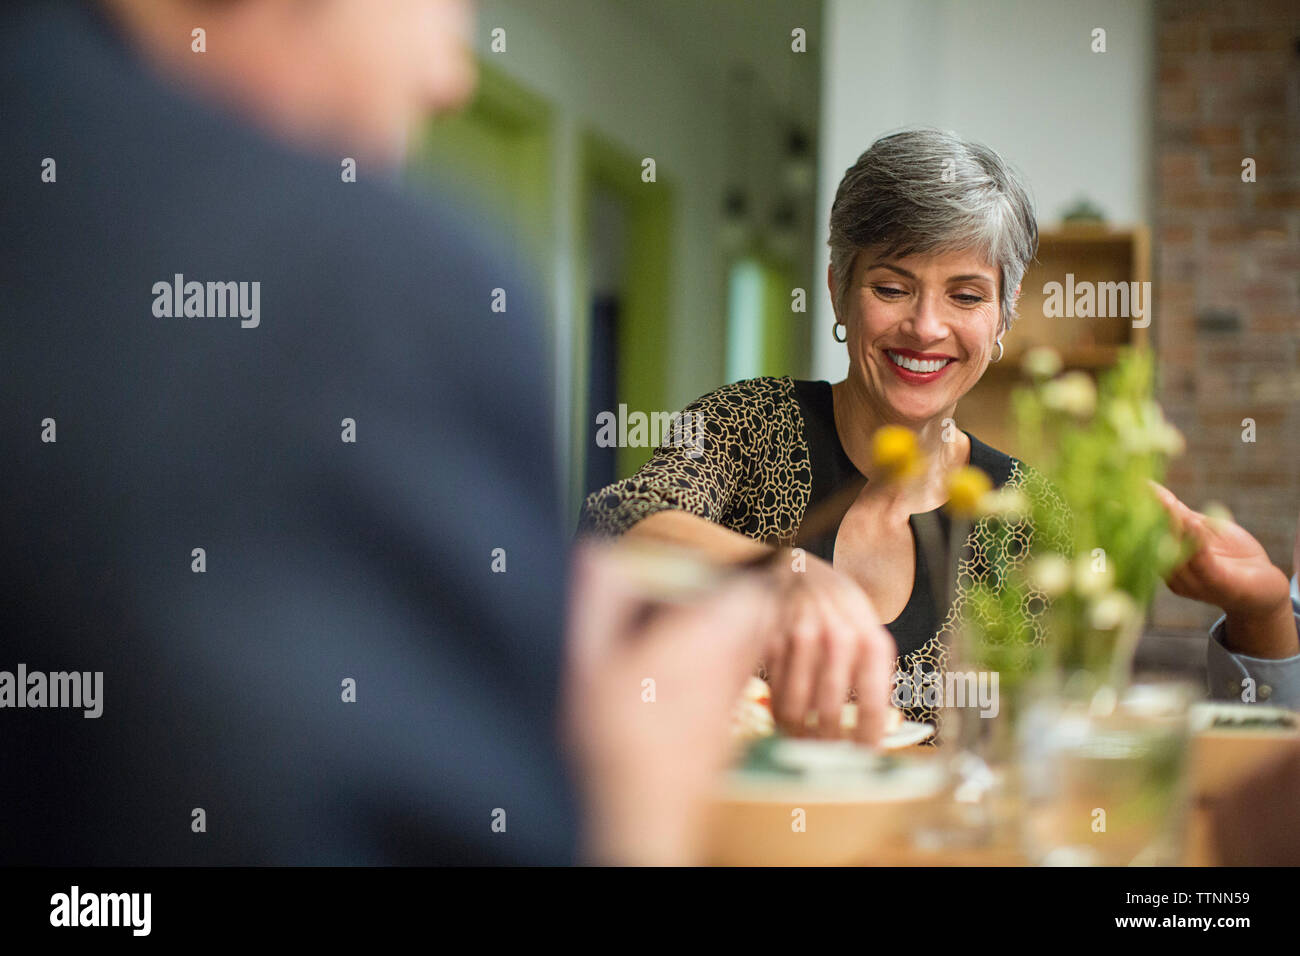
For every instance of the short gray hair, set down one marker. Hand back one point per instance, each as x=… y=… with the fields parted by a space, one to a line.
x=924 y=191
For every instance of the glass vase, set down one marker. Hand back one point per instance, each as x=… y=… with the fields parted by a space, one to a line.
x=1102 y=773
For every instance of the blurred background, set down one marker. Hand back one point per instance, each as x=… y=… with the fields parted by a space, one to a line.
x=664 y=280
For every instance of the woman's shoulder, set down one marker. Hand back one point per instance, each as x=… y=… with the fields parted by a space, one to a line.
x=1013 y=472
x=998 y=465
x=762 y=388
x=754 y=401
x=1007 y=469
x=1047 y=501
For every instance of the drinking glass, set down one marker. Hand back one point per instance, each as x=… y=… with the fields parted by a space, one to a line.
x=1103 y=776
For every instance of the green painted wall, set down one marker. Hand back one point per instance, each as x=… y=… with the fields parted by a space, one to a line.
x=498 y=149
x=643 y=322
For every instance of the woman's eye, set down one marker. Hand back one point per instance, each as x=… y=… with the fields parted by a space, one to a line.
x=968 y=299
x=888 y=292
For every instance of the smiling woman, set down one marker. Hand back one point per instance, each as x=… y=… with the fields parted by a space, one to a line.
x=930 y=236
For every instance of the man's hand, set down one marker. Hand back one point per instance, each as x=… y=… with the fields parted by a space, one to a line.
x=649 y=755
x=1231 y=569
x=830 y=641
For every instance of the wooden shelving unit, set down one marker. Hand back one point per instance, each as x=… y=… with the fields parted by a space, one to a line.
x=1092 y=253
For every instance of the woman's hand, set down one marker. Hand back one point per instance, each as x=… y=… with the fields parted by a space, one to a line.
x=829 y=640
x=1231 y=569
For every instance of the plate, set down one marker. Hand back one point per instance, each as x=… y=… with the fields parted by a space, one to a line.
x=837 y=764
x=800 y=802
x=909 y=734
x=1218 y=717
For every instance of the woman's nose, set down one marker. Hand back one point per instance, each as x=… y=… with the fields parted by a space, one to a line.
x=925 y=322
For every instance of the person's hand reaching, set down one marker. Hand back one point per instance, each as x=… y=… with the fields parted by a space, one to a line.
x=1230 y=568
x=830 y=640
x=649 y=755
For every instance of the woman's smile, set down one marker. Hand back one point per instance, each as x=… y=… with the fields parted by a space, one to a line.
x=918 y=368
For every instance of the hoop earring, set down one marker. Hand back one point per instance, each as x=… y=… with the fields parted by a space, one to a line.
x=1001 y=351
x=835 y=332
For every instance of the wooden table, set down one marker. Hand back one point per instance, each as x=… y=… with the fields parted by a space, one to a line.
x=884 y=835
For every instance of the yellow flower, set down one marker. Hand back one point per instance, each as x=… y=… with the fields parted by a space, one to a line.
x=894 y=451
x=966 y=488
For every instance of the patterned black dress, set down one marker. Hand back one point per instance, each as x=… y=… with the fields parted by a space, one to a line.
x=768 y=452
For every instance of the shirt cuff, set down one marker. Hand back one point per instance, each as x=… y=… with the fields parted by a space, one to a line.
x=1277 y=681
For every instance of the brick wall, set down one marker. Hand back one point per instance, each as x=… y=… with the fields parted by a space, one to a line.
x=1227 y=263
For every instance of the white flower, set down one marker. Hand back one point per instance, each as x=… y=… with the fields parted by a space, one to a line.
x=1169 y=440
x=1092 y=576
x=1168 y=552
x=1041 y=362
x=1113 y=611
x=1009 y=504
x=1144 y=430
x=1073 y=393
x=1218 y=513
x=1050 y=574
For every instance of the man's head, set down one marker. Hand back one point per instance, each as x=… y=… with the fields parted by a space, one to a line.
x=352 y=76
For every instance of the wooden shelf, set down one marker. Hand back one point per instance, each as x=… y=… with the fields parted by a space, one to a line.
x=1091 y=253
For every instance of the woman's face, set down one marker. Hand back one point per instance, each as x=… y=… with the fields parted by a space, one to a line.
x=921 y=331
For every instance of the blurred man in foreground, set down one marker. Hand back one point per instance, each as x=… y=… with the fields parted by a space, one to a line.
x=264 y=442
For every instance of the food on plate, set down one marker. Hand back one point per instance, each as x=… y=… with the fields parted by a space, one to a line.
x=752 y=717
x=849 y=718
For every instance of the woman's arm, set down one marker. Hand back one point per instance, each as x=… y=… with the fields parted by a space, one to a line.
x=699 y=534
x=828 y=637
x=697 y=471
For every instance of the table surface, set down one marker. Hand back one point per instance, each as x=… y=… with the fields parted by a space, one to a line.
x=1218 y=761
x=1225 y=768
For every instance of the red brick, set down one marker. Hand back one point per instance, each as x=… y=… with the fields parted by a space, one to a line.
x=1177 y=101
x=1247 y=40
x=1261 y=230
x=1225 y=161
x=1186 y=37
x=1231 y=102
x=1277 y=199
x=1185 y=166
x=1275 y=322
x=1210 y=197
x=1217 y=134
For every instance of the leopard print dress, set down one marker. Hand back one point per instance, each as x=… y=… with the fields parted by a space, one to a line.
x=760 y=461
